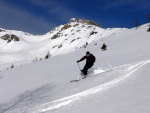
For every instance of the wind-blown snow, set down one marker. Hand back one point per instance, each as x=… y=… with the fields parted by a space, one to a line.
x=117 y=83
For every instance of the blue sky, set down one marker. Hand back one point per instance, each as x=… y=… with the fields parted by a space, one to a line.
x=41 y=16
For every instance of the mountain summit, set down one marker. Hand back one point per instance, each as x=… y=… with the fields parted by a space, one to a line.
x=83 y=21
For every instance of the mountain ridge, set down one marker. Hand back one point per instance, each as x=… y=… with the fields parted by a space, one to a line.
x=77 y=33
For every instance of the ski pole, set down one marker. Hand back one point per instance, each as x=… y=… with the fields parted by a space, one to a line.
x=80 y=70
x=79 y=66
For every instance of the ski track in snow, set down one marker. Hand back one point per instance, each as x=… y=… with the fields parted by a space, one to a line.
x=48 y=107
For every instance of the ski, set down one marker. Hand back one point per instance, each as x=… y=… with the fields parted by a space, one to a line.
x=76 y=80
x=83 y=77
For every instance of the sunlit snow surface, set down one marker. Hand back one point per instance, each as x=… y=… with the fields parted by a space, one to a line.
x=117 y=83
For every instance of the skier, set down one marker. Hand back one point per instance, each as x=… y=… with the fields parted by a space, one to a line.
x=90 y=59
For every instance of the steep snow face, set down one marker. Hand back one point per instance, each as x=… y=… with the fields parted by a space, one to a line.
x=77 y=33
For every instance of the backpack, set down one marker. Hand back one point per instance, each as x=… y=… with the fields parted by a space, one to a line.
x=93 y=58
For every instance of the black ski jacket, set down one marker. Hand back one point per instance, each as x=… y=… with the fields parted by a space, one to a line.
x=89 y=59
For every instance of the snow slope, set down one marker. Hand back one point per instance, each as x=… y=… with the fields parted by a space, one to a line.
x=63 y=39
x=45 y=87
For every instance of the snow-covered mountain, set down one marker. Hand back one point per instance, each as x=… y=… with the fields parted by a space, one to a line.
x=17 y=46
x=117 y=83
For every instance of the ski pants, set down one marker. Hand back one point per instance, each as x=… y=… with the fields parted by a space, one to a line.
x=85 y=69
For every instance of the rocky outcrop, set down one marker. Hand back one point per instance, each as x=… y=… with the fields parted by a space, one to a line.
x=89 y=22
x=148 y=30
x=10 y=38
x=1 y=30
